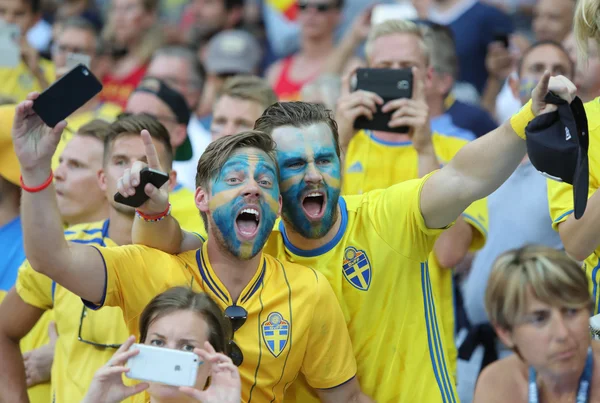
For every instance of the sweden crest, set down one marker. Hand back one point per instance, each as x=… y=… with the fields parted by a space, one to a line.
x=357 y=268
x=275 y=331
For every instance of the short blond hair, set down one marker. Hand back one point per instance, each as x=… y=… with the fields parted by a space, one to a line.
x=548 y=274
x=586 y=25
x=392 y=27
x=249 y=88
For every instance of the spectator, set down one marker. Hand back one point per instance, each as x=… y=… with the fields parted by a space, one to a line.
x=240 y=103
x=539 y=302
x=326 y=90
x=133 y=30
x=180 y=69
x=553 y=19
x=587 y=73
x=32 y=73
x=79 y=196
x=178 y=314
x=228 y=53
x=318 y=22
x=202 y=19
x=154 y=98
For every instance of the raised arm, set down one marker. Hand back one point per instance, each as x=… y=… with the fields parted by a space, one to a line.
x=78 y=268
x=165 y=234
x=481 y=166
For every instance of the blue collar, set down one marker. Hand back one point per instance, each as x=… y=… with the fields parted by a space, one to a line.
x=321 y=250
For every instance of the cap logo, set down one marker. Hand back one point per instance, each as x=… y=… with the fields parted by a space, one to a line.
x=567 y=134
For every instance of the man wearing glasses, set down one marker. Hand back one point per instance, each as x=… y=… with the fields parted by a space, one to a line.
x=293 y=322
x=88 y=338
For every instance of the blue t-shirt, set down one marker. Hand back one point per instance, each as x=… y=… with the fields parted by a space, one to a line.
x=443 y=124
x=13 y=253
x=472 y=118
x=474 y=25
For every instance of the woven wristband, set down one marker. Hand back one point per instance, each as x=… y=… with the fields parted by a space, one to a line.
x=154 y=218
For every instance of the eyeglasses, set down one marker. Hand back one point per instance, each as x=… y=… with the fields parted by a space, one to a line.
x=237 y=316
x=320 y=7
x=92 y=343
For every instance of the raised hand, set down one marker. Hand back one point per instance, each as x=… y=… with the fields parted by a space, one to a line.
x=38 y=362
x=559 y=85
x=107 y=385
x=34 y=142
x=225 y=385
x=159 y=198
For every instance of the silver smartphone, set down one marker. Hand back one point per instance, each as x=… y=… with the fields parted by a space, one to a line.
x=10 y=49
x=164 y=365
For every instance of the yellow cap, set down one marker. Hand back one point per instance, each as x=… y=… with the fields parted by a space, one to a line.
x=9 y=164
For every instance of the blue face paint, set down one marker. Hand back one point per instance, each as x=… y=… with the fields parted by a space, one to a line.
x=526 y=86
x=309 y=164
x=234 y=190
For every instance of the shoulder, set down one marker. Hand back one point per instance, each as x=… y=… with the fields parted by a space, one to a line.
x=450 y=142
x=87 y=231
x=110 y=110
x=508 y=375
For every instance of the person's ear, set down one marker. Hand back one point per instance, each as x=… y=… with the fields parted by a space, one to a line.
x=280 y=206
x=172 y=180
x=201 y=199
x=505 y=336
x=101 y=177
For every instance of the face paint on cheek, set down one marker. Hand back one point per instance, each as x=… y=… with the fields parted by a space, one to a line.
x=526 y=86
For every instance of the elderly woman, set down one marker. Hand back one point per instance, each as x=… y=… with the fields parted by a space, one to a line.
x=539 y=303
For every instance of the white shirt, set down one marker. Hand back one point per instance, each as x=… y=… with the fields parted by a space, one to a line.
x=200 y=138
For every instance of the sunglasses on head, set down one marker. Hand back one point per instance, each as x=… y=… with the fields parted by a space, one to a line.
x=320 y=7
x=237 y=316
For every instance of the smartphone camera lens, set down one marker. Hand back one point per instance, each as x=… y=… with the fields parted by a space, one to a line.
x=86 y=73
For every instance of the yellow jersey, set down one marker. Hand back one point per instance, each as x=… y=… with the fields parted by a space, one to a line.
x=378 y=267
x=389 y=163
x=560 y=196
x=105 y=111
x=75 y=361
x=287 y=330
x=18 y=81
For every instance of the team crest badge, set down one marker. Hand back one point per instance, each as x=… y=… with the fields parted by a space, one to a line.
x=275 y=331
x=357 y=268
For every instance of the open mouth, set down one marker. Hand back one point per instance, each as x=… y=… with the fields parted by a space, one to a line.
x=313 y=205
x=247 y=222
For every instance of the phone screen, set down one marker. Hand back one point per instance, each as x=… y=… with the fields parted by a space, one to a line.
x=10 y=50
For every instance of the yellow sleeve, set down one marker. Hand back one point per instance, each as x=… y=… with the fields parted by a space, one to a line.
x=35 y=288
x=560 y=201
x=395 y=214
x=520 y=120
x=329 y=359
x=476 y=215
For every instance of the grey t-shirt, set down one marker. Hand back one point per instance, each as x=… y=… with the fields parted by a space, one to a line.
x=518 y=215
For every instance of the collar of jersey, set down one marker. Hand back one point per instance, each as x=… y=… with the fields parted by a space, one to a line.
x=218 y=289
x=321 y=250
x=387 y=143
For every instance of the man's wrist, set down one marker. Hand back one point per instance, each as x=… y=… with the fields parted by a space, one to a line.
x=521 y=119
x=35 y=177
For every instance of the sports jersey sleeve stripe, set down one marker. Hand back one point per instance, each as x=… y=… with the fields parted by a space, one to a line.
x=291 y=328
x=595 y=287
x=442 y=359
x=425 y=291
x=259 y=338
x=103 y=299
x=199 y=236
x=476 y=223
x=92 y=231
x=562 y=217
x=97 y=241
x=341 y=384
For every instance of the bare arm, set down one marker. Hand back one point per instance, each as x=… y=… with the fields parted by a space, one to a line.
x=78 y=268
x=581 y=237
x=453 y=244
x=481 y=166
x=348 y=392
x=17 y=318
x=165 y=235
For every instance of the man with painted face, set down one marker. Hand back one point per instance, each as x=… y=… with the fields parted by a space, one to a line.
x=265 y=298
x=374 y=248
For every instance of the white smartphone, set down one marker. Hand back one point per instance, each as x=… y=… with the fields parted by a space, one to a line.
x=164 y=365
x=10 y=50
x=400 y=11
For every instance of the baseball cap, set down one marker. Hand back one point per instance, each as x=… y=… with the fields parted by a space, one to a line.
x=233 y=52
x=176 y=102
x=557 y=144
x=9 y=164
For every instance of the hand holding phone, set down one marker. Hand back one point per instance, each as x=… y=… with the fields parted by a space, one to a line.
x=147 y=175
x=164 y=365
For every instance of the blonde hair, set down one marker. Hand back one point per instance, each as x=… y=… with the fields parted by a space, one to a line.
x=391 y=27
x=586 y=25
x=249 y=88
x=547 y=274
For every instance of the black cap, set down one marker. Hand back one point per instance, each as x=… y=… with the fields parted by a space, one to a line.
x=557 y=144
x=176 y=102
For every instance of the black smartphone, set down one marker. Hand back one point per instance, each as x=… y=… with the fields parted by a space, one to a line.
x=389 y=84
x=147 y=175
x=503 y=38
x=66 y=95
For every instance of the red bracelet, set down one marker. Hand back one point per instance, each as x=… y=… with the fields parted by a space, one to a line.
x=37 y=188
x=154 y=218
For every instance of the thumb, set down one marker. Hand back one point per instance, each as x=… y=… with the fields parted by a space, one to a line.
x=57 y=130
x=52 y=332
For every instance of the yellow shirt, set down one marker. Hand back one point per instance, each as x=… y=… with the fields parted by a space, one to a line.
x=105 y=111
x=183 y=208
x=560 y=195
x=75 y=362
x=308 y=339
x=378 y=267
x=389 y=163
x=17 y=82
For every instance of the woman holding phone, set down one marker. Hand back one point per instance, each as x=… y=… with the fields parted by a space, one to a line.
x=179 y=318
x=539 y=303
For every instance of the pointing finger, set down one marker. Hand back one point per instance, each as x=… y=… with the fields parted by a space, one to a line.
x=151 y=154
